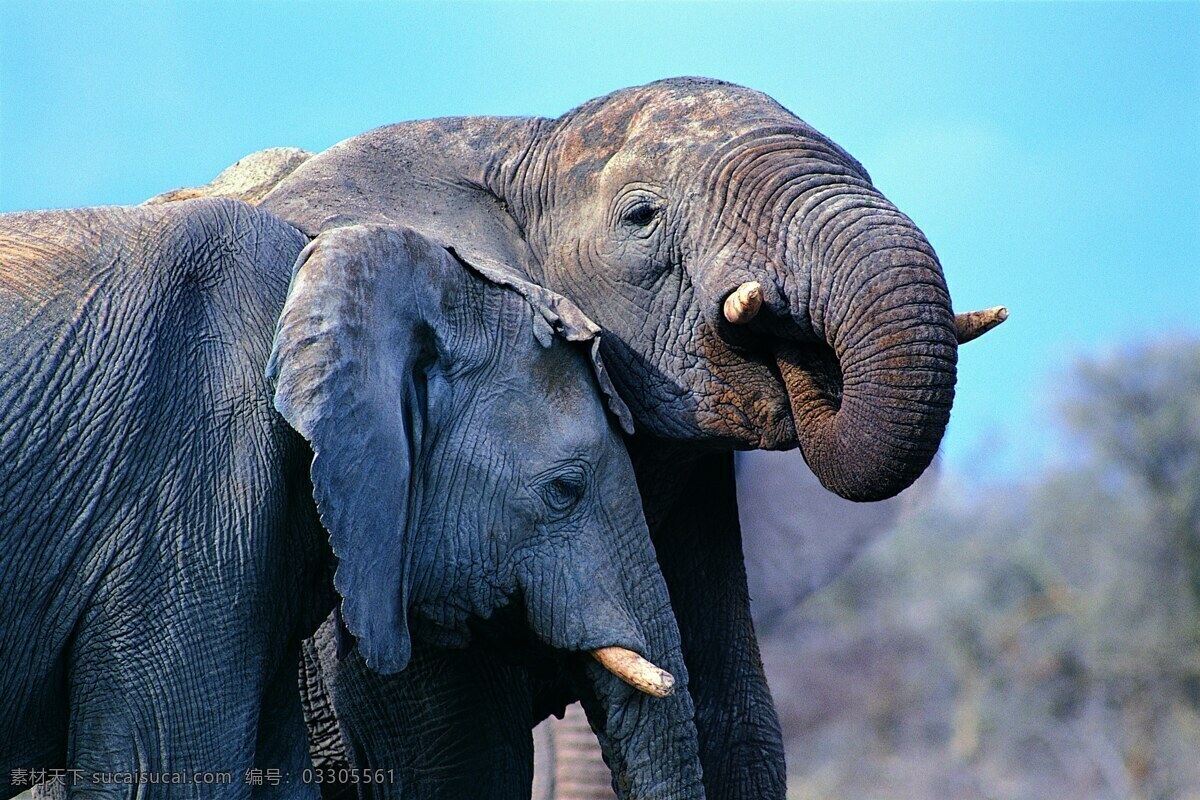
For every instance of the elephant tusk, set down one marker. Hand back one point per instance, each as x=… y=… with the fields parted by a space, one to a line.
x=974 y=324
x=636 y=671
x=743 y=304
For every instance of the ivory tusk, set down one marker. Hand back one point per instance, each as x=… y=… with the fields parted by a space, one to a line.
x=743 y=304
x=636 y=671
x=974 y=324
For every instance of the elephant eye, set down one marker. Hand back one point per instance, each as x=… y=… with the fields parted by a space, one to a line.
x=564 y=491
x=640 y=214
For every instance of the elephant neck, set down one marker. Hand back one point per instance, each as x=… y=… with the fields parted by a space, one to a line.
x=664 y=470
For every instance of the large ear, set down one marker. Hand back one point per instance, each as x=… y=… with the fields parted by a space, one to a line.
x=564 y=318
x=348 y=360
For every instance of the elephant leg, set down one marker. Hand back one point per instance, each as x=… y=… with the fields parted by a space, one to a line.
x=325 y=746
x=455 y=723
x=119 y=731
x=281 y=752
x=697 y=536
x=162 y=700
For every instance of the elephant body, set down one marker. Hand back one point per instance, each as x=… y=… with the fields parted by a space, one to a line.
x=157 y=514
x=756 y=291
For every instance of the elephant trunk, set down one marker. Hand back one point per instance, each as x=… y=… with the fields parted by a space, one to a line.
x=600 y=599
x=871 y=398
x=645 y=726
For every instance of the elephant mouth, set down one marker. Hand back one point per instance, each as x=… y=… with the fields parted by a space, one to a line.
x=780 y=378
x=811 y=379
x=805 y=383
x=506 y=629
x=773 y=372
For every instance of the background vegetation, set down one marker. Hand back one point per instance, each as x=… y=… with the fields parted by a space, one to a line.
x=1034 y=638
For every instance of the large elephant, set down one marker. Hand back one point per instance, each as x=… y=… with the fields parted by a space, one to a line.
x=756 y=291
x=162 y=551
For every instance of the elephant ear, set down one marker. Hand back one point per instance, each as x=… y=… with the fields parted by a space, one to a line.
x=440 y=177
x=349 y=356
x=562 y=317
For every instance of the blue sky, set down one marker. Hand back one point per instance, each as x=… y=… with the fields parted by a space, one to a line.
x=1051 y=152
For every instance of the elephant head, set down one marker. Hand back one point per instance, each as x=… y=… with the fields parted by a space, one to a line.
x=464 y=461
x=756 y=289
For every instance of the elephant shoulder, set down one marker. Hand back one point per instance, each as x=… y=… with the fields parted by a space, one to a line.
x=225 y=250
x=204 y=283
x=58 y=258
x=129 y=303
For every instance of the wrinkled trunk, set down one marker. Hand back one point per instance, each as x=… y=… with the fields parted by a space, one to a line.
x=648 y=742
x=850 y=304
x=610 y=592
x=871 y=400
x=854 y=314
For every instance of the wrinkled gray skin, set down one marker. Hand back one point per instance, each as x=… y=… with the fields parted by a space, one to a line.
x=647 y=208
x=797 y=536
x=162 y=551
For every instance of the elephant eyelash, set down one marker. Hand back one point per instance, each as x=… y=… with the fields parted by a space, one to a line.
x=563 y=494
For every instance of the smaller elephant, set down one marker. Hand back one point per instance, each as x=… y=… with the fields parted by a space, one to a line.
x=162 y=549
x=525 y=491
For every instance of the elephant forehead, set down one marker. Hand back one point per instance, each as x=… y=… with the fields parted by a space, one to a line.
x=678 y=121
x=560 y=375
x=553 y=401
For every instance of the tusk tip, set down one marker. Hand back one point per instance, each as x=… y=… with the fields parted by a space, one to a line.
x=974 y=324
x=636 y=671
x=743 y=304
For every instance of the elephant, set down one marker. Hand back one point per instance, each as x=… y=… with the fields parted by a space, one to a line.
x=756 y=292
x=210 y=423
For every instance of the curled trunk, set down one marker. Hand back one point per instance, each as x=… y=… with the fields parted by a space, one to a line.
x=871 y=398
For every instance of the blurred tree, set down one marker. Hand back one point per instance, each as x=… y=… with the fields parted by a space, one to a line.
x=1139 y=411
x=1039 y=638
